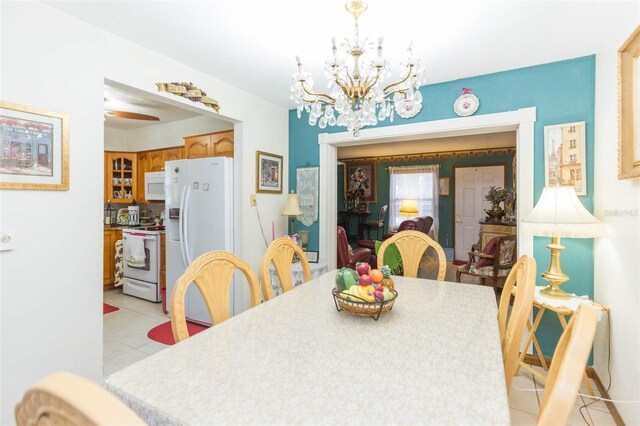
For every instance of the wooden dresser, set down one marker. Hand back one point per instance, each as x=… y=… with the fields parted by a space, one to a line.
x=490 y=230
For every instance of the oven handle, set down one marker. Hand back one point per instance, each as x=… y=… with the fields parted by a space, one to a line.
x=186 y=224
x=181 y=227
x=140 y=235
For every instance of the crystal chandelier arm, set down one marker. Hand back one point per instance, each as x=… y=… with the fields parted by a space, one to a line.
x=330 y=102
x=399 y=82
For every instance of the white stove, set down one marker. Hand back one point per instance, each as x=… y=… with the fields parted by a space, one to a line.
x=142 y=278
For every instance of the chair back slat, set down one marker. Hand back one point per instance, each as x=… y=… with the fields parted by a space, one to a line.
x=412 y=245
x=520 y=282
x=567 y=369
x=280 y=253
x=212 y=274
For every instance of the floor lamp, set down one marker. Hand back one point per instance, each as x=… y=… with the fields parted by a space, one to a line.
x=292 y=209
x=557 y=214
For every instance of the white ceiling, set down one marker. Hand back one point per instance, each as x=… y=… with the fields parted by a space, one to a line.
x=117 y=99
x=251 y=44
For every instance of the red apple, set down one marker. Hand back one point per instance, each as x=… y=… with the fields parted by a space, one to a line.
x=380 y=288
x=379 y=296
x=365 y=280
x=362 y=268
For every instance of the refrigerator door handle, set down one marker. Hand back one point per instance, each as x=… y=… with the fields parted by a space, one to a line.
x=181 y=227
x=186 y=224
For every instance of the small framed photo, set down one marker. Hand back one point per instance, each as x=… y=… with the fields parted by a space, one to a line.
x=34 y=148
x=268 y=173
x=443 y=186
x=312 y=256
x=564 y=156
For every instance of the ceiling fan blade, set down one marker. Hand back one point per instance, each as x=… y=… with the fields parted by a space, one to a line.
x=132 y=115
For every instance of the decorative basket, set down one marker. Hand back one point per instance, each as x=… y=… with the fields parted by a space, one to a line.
x=364 y=308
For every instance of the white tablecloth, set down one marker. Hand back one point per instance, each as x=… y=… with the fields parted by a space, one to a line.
x=317 y=269
x=434 y=359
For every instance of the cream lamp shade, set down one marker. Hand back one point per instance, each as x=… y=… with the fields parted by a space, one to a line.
x=292 y=208
x=409 y=207
x=559 y=213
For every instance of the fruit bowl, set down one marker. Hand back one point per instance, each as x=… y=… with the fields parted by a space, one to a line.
x=358 y=306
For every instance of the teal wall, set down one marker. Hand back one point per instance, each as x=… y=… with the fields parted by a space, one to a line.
x=562 y=92
x=445 y=203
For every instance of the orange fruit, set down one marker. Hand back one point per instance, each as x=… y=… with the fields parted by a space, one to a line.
x=375 y=275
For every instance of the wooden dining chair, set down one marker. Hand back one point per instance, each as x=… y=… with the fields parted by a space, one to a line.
x=66 y=399
x=412 y=245
x=521 y=283
x=212 y=273
x=567 y=368
x=280 y=252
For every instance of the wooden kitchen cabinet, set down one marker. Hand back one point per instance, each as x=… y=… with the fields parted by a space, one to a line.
x=121 y=176
x=143 y=167
x=156 y=160
x=219 y=144
x=171 y=154
x=108 y=255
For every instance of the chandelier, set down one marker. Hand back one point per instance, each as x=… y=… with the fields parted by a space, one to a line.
x=358 y=95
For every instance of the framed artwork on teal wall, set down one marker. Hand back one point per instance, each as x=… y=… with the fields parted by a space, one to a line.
x=443 y=186
x=360 y=180
x=564 y=156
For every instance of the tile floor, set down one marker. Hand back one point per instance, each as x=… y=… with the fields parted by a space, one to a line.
x=125 y=338
x=126 y=342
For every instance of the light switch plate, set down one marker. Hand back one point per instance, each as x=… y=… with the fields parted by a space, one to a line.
x=252 y=200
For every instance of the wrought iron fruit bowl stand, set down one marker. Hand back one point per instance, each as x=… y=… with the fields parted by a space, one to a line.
x=363 y=308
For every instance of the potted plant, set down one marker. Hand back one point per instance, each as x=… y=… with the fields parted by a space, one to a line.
x=495 y=196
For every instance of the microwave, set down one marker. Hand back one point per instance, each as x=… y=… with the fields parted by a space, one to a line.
x=154 y=186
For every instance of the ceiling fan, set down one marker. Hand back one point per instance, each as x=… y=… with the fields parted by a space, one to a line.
x=131 y=115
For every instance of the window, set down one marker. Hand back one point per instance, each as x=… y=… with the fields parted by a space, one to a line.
x=419 y=182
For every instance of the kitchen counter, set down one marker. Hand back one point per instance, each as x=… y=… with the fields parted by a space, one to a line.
x=121 y=227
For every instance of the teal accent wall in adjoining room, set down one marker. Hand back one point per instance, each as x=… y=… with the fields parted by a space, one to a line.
x=562 y=92
x=445 y=203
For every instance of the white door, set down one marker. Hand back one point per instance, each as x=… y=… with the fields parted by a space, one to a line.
x=471 y=185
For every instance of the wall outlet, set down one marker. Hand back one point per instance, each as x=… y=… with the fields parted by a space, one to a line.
x=252 y=200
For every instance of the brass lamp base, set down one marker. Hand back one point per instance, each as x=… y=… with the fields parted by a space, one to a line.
x=554 y=274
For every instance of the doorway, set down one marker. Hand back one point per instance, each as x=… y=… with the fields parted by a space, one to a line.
x=522 y=121
x=471 y=185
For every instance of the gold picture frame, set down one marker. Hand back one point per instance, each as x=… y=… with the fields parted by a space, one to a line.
x=628 y=108
x=268 y=173
x=444 y=186
x=34 y=148
x=360 y=179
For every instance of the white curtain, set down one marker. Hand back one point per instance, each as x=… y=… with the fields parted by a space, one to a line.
x=419 y=182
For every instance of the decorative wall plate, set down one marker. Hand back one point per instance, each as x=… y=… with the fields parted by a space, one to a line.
x=467 y=104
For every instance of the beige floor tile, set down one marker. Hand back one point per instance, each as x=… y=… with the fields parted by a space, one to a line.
x=521 y=418
x=593 y=404
x=152 y=347
x=122 y=361
x=113 y=348
x=524 y=400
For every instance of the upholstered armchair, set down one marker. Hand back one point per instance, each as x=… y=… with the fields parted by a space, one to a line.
x=345 y=259
x=493 y=262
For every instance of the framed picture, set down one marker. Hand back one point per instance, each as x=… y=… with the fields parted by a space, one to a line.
x=628 y=120
x=564 y=156
x=312 y=256
x=360 y=180
x=443 y=186
x=34 y=148
x=268 y=173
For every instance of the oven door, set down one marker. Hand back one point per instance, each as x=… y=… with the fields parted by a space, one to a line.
x=150 y=270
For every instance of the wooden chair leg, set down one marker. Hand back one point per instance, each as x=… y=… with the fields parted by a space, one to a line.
x=458 y=276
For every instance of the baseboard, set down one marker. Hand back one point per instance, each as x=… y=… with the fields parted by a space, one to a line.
x=591 y=373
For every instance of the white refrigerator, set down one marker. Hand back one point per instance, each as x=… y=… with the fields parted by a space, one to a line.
x=198 y=219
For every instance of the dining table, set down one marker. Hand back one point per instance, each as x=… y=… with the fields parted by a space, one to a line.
x=434 y=358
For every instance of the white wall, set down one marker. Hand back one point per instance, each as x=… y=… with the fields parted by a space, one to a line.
x=51 y=284
x=617 y=261
x=164 y=135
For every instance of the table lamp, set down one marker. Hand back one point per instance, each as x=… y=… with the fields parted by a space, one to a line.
x=557 y=214
x=409 y=207
x=292 y=209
